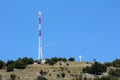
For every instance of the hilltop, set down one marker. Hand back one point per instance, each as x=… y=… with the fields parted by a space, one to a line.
x=32 y=71
x=59 y=69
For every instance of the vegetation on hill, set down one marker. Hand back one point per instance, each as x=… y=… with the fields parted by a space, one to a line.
x=116 y=63
x=54 y=60
x=20 y=63
x=62 y=69
x=2 y=64
x=96 y=68
x=12 y=76
x=115 y=73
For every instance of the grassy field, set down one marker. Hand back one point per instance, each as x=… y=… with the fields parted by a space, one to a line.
x=52 y=72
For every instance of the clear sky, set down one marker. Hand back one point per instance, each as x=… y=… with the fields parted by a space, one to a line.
x=70 y=28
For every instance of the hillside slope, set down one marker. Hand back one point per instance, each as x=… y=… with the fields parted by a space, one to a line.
x=52 y=72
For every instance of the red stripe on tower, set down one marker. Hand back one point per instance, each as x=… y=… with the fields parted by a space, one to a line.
x=39 y=21
x=39 y=32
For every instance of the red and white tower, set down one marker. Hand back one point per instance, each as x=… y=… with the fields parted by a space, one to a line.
x=40 y=58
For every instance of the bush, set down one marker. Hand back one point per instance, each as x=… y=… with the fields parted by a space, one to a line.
x=41 y=78
x=115 y=73
x=97 y=68
x=12 y=76
x=62 y=68
x=108 y=64
x=25 y=60
x=87 y=69
x=42 y=73
x=63 y=74
x=10 y=67
x=116 y=63
x=0 y=77
x=31 y=61
x=79 y=77
x=60 y=64
x=85 y=78
x=28 y=60
x=2 y=64
x=50 y=61
x=10 y=62
x=64 y=59
x=58 y=75
x=108 y=78
x=54 y=60
x=19 y=64
x=67 y=64
x=71 y=59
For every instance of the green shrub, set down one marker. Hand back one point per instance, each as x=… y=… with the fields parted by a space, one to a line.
x=108 y=64
x=85 y=78
x=25 y=60
x=12 y=76
x=54 y=60
x=41 y=78
x=71 y=59
x=63 y=74
x=62 y=68
x=58 y=75
x=10 y=67
x=31 y=61
x=108 y=78
x=115 y=73
x=97 y=68
x=64 y=59
x=19 y=64
x=116 y=63
x=0 y=77
x=2 y=64
x=80 y=77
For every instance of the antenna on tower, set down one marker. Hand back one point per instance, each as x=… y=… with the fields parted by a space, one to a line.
x=40 y=58
x=80 y=58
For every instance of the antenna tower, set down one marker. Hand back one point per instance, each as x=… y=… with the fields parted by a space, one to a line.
x=40 y=58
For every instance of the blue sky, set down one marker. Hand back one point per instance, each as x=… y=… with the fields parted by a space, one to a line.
x=90 y=28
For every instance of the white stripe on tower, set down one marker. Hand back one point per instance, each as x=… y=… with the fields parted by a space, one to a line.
x=40 y=37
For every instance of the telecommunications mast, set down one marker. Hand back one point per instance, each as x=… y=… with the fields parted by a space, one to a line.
x=40 y=58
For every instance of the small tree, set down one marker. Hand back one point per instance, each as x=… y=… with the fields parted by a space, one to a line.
x=19 y=64
x=71 y=59
x=10 y=67
x=108 y=64
x=12 y=76
x=1 y=64
x=96 y=68
x=25 y=60
x=115 y=73
x=10 y=62
x=30 y=61
x=64 y=59
x=116 y=63
x=50 y=61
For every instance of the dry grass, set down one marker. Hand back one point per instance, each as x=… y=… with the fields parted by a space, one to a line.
x=32 y=71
